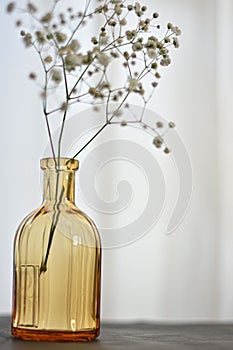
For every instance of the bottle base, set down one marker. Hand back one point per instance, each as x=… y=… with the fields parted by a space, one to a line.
x=54 y=336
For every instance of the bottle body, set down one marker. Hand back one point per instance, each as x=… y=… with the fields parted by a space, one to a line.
x=60 y=302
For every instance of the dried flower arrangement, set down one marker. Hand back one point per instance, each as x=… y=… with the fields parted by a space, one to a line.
x=125 y=35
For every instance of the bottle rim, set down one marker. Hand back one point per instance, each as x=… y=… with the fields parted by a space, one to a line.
x=58 y=164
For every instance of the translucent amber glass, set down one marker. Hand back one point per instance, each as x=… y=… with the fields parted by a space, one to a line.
x=61 y=302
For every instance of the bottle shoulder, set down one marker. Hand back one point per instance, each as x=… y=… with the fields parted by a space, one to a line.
x=69 y=220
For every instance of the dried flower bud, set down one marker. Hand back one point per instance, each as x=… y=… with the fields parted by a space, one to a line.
x=126 y=55
x=64 y=106
x=169 y=26
x=176 y=30
x=133 y=84
x=10 y=7
x=151 y=53
x=96 y=108
x=56 y=76
x=123 y=123
x=114 y=54
x=137 y=46
x=154 y=65
x=72 y=61
x=176 y=43
x=105 y=8
x=129 y=35
x=31 y=7
x=104 y=40
x=112 y=23
x=117 y=113
x=165 y=61
x=47 y=17
x=74 y=45
x=18 y=23
x=92 y=91
x=32 y=76
x=48 y=59
x=43 y=94
x=49 y=36
x=137 y=9
x=27 y=39
x=167 y=150
x=118 y=9
x=145 y=28
x=103 y=58
x=158 y=141
x=167 y=40
x=40 y=37
x=159 y=124
x=94 y=40
x=123 y=22
x=155 y=15
x=61 y=37
x=171 y=125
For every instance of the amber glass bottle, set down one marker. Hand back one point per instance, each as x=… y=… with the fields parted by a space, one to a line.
x=57 y=262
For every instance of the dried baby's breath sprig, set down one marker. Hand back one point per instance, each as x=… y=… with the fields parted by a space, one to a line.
x=126 y=35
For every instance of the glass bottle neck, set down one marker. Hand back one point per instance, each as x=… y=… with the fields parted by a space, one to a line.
x=59 y=186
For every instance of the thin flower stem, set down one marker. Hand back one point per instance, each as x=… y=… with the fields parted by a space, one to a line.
x=106 y=109
x=50 y=136
x=80 y=78
x=80 y=23
x=54 y=223
x=102 y=128
x=45 y=103
x=61 y=132
x=93 y=137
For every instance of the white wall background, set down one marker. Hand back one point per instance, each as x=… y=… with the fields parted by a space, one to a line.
x=186 y=276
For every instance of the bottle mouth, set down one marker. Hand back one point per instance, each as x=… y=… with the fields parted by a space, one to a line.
x=58 y=164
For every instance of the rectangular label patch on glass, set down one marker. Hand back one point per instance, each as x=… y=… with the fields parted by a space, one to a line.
x=29 y=295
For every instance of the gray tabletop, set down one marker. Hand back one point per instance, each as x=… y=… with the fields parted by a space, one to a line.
x=138 y=336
